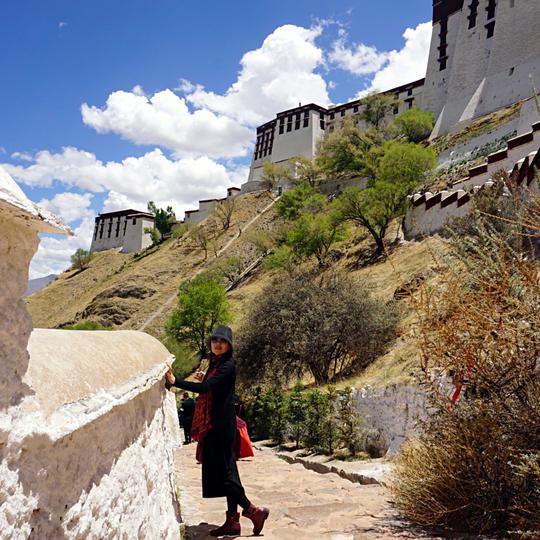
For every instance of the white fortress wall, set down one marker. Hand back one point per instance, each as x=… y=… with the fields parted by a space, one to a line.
x=135 y=238
x=86 y=426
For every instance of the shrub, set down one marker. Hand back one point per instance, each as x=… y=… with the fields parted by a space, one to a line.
x=476 y=467
x=296 y=413
x=86 y=325
x=323 y=326
x=415 y=124
x=202 y=304
x=81 y=259
x=349 y=422
x=317 y=411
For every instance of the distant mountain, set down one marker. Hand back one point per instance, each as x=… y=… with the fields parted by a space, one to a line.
x=37 y=284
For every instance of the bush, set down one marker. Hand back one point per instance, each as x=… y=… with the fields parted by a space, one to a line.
x=349 y=422
x=323 y=326
x=81 y=259
x=296 y=413
x=415 y=124
x=476 y=467
x=86 y=325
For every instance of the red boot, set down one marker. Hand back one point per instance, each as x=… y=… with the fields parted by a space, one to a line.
x=231 y=527
x=258 y=515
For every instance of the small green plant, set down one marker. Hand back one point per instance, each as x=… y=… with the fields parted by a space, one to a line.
x=296 y=413
x=86 y=325
x=81 y=259
x=350 y=422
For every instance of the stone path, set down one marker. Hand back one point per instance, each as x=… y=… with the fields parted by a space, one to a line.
x=303 y=504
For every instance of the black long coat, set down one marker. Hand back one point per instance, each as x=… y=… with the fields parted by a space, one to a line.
x=219 y=448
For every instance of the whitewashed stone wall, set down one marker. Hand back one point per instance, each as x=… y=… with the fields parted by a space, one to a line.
x=394 y=411
x=87 y=428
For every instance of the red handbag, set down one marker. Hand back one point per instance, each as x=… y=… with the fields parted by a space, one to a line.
x=243 y=442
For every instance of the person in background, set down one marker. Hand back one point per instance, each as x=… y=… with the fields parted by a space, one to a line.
x=214 y=427
x=186 y=411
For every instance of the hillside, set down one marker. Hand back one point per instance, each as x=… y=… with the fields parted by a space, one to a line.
x=126 y=291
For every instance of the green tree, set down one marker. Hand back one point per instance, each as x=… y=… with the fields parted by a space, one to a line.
x=164 y=219
x=293 y=202
x=202 y=304
x=330 y=425
x=415 y=124
x=282 y=258
x=316 y=413
x=348 y=152
x=81 y=259
x=272 y=174
x=323 y=326
x=296 y=413
x=376 y=107
x=401 y=168
x=314 y=235
x=307 y=171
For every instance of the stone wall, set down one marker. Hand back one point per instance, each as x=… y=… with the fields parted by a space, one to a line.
x=87 y=429
x=394 y=411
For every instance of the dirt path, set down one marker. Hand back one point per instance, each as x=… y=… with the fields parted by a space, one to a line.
x=144 y=325
x=303 y=504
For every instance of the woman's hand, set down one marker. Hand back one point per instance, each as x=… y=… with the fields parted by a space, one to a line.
x=199 y=375
x=170 y=376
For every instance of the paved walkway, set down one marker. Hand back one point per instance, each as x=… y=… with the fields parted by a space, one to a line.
x=303 y=504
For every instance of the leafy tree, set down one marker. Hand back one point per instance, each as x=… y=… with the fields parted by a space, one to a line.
x=317 y=408
x=376 y=107
x=415 y=124
x=401 y=168
x=296 y=413
x=164 y=219
x=261 y=239
x=202 y=304
x=307 y=171
x=330 y=425
x=272 y=174
x=202 y=238
x=224 y=211
x=282 y=258
x=321 y=326
x=231 y=268
x=81 y=259
x=348 y=151
x=314 y=235
x=292 y=202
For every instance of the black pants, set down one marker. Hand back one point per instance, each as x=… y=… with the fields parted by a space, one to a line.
x=187 y=429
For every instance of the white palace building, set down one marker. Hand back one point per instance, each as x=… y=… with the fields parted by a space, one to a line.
x=482 y=57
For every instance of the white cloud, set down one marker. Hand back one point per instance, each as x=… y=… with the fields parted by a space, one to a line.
x=54 y=253
x=62 y=24
x=277 y=76
x=133 y=181
x=22 y=156
x=360 y=59
x=164 y=119
x=69 y=206
x=406 y=65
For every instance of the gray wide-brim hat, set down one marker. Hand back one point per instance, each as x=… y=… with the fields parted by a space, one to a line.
x=223 y=332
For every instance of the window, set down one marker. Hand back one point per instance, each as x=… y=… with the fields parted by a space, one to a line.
x=511 y=72
x=442 y=63
x=289 y=122
x=490 y=27
x=281 y=125
x=95 y=231
x=297 y=122
x=332 y=116
x=110 y=229
x=396 y=110
x=473 y=13
x=492 y=4
x=443 y=44
x=134 y=221
x=409 y=92
x=355 y=109
x=306 y=121
x=101 y=230
x=343 y=112
x=125 y=226
x=322 y=124
x=117 y=227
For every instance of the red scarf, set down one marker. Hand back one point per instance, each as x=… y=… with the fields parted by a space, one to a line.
x=202 y=417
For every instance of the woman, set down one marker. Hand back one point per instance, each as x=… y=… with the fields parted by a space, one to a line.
x=214 y=426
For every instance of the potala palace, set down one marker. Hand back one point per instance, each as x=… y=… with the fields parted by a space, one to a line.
x=484 y=56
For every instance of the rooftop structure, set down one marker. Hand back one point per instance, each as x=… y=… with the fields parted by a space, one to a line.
x=123 y=229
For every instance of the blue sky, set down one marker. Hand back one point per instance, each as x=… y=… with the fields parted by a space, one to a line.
x=108 y=104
